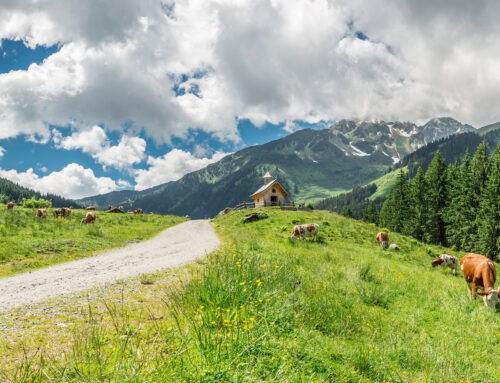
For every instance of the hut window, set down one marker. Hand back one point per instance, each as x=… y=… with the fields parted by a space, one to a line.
x=274 y=190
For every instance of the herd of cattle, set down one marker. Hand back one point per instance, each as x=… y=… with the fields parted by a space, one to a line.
x=479 y=271
x=65 y=212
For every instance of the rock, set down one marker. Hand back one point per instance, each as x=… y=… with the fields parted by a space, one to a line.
x=258 y=215
x=224 y=212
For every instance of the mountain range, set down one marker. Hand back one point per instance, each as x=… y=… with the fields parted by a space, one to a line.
x=311 y=164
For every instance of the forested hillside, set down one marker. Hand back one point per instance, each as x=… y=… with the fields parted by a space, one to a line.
x=457 y=205
x=311 y=164
x=10 y=191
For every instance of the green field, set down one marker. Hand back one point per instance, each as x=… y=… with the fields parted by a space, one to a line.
x=29 y=243
x=266 y=308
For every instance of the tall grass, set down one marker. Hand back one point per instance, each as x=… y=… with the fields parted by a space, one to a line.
x=265 y=308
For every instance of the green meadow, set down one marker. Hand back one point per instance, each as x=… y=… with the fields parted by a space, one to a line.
x=266 y=308
x=29 y=243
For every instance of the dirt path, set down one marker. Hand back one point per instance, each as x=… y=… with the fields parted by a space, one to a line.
x=173 y=247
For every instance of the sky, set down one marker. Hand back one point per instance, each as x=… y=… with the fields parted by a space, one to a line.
x=125 y=94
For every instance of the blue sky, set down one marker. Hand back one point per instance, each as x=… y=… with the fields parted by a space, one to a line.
x=45 y=156
x=93 y=100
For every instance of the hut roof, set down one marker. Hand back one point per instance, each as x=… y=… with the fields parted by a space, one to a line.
x=267 y=186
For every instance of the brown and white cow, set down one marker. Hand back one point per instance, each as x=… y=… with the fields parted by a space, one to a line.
x=445 y=261
x=383 y=239
x=90 y=208
x=480 y=272
x=138 y=211
x=41 y=213
x=303 y=231
x=90 y=217
x=10 y=206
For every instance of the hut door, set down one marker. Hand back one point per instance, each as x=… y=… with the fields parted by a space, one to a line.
x=274 y=200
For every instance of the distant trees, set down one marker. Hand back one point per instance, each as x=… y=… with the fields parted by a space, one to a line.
x=456 y=205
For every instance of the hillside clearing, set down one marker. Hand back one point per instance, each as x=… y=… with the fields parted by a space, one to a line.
x=30 y=243
x=265 y=308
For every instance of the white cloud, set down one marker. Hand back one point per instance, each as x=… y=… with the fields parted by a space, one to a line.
x=267 y=60
x=94 y=141
x=171 y=167
x=2 y=151
x=73 y=181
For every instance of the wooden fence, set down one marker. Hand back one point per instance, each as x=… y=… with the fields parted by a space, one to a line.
x=284 y=206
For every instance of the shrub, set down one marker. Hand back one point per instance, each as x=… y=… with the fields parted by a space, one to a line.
x=36 y=203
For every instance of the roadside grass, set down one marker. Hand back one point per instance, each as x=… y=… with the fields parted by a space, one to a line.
x=30 y=243
x=266 y=308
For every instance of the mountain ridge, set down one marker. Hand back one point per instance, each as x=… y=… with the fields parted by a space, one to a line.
x=311 y=164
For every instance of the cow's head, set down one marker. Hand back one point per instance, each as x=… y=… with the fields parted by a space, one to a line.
x=490 y=298
x=437 y=261
x=295 y=233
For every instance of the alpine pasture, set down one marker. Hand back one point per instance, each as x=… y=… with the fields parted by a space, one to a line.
x=29 y=242
x=267 y=308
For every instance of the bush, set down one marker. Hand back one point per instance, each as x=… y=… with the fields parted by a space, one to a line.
x=310 y=206
x=36 y=203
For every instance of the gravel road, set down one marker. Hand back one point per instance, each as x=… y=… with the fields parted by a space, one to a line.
x=173 y=247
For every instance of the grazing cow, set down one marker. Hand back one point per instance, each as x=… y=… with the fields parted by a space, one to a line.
x=393 y=246
x=138 y=211
x=303 y=231
x=110 y=207
x=479 y=271
x=90 y=208
x=41 y=213
x=383 y=239
x=10 y=206
x=445 y=261
x=89 y=217
x=121 y=208
x=63 y=212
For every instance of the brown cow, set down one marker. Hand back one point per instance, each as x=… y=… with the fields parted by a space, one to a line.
x=138 y=211
x=41 y=213
x=10 y=206
x=90 y=208
x=90 y=217
x=383 y=239
x=110 y=207
x=121 y=208
x=63 y=212
x=479 y=271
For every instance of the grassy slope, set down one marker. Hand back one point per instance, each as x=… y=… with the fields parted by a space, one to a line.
x=265 y=308
x=28 y=243
x=384 y=184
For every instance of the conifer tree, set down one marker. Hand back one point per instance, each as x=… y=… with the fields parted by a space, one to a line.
x=489 y=211
x=387 y=211
x=460 y=213
x=347 y=212
x=371 y=214
x=437 y=200
x=419 y=205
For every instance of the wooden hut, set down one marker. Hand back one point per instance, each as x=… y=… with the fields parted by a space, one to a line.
x=272 y=193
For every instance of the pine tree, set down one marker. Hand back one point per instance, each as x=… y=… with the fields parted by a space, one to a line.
x=437 y=200
x=460 y=214
x=402 y=212
x=387 y=211
x=480 y=169
x=489 y=211
x=419 y=205
x=347 y=212
x=371 y=214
